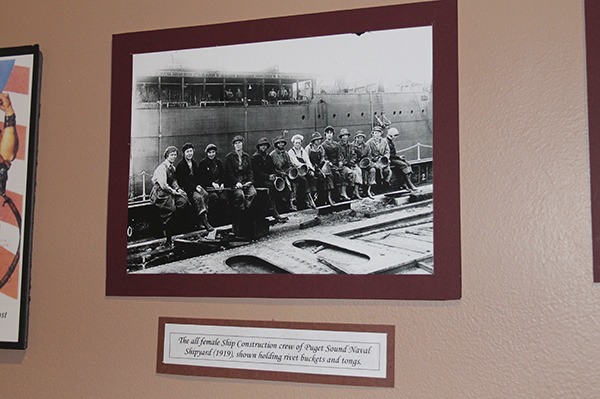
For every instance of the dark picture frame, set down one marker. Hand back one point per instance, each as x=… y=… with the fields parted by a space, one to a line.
x=443 y=284
x=20 y=79
x=592 y=31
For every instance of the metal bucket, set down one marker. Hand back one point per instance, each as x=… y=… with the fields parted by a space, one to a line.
x=303 y=170
x=279 y=183
x=364 y=163
x=293 y=173
x=383 y=162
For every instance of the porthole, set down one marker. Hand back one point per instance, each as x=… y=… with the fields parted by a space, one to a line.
x=334 y=115
x=303 y=117
x=362 y=114
x=348 y=115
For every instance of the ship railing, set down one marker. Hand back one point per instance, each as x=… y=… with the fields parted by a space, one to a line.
x=176 y=104
x=418 y=146
x=292 y=102
x=142 y=198
x=147 y=105
x=207 y=103
x=422 y=167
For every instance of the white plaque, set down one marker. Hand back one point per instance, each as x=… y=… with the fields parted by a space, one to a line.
x=277 y=350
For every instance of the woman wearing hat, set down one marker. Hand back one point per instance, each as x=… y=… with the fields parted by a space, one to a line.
x=239 y=176
x=348 y=165
x=212 y=176
x=283 y=165
x=399 y=165
x=265 y=175
x=300 y=158
x=366 y=170
x=316 y=155
x=166 y=194
x=379 y=148
x=334 y=159
x=188 y=177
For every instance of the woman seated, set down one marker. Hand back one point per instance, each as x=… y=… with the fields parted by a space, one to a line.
x=324 y=181
x=212 y=176
x=335 y=161
x=365 y=171
x=188 y=177
x=166 y=194
x=300 y=159
x=265 y=176
x=380 y=155
x=239 y=176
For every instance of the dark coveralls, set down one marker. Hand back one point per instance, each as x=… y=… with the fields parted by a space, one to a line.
x=283 y=163
x=333 y=154
x=263 y=167
x=400 y=167
x=189 y=178
x=238 y=169
x=212 y=171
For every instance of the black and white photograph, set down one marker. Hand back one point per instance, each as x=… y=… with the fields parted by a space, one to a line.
x=300 y=156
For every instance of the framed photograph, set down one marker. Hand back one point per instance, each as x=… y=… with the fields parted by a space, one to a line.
x=20 y=70
x=288 y=157
x=592 y=13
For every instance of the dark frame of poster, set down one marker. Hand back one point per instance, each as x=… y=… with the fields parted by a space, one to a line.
x=23 y=82
x=444 y=284
x=592 y=14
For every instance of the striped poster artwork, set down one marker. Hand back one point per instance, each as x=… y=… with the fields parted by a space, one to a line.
x=18 y=87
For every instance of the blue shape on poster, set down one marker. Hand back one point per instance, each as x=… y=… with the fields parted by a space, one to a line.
x=5 y=70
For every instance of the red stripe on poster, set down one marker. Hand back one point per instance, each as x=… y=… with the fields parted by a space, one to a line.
x=6 y=214
x=11 y=288
x=18 y=82
x=21 y=132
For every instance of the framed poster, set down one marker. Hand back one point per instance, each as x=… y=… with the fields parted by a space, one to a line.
x=20 y=69
x=288 y=157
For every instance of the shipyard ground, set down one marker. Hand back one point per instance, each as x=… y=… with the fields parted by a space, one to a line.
x=382 y=235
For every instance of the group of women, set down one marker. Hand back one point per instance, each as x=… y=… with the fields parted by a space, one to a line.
x=322 y=172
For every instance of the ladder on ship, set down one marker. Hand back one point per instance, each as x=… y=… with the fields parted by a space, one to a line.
x=379 y=117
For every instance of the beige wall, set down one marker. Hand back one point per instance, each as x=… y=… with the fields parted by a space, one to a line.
x=528 y=324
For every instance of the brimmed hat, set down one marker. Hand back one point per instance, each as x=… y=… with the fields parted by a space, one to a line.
x=186 y=147
x=377 y=129
x=279 y=140
x=344 y=132
x=359 y=133
x=297 y=136
x=329 y=128
x=237 y=138
x=262 y=141
x=169 y=150
x=316 y=136
x=210 y=147
x=393 y=132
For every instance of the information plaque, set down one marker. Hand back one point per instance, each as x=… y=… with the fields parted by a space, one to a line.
x=346 y=354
